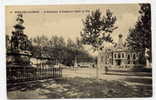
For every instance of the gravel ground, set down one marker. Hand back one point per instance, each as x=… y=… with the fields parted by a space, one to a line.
x=82 y=83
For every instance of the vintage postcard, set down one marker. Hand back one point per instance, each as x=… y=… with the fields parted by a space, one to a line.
x=78 y=51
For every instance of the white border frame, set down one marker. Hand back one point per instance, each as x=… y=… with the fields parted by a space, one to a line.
x=3 y=92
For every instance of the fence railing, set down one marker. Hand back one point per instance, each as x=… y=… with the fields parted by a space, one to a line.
x=22 y=74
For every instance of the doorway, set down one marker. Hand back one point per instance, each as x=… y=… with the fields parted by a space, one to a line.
x=118 y=62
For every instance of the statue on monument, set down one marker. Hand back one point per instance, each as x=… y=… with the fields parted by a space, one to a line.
x=147 y=57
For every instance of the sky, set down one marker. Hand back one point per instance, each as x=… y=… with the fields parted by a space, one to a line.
x=69 y=24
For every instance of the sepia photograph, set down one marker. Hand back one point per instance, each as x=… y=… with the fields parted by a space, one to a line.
x=78 y=51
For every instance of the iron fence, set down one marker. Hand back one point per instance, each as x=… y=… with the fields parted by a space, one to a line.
x=22 y=74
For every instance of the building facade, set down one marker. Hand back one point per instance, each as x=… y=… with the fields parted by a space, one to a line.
x=120 y=56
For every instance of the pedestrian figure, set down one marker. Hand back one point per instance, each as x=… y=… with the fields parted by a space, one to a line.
x=106 y=70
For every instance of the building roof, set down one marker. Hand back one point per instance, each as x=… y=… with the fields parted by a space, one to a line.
x=119 y=46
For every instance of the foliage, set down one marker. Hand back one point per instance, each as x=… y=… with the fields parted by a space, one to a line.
x=140 y=36
x=97 y=29
x=58 y=50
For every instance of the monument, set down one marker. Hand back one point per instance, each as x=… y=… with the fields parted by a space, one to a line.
x=19 y=53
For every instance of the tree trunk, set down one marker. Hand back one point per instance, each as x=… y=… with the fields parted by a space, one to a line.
x=98 y=65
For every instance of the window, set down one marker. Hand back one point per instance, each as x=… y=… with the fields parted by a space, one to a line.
x=134 y=56
x=122 y=55
x=119 y=55
x=115 y=55
x=128 y=56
